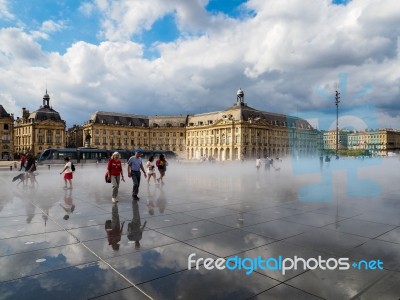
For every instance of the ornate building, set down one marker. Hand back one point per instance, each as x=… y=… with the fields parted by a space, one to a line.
x=227 y=135
x=39 y=130
x=242 y=131
x=122 y=131
x=6 y=133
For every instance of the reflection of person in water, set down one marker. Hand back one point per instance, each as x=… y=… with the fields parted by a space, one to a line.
x=161 y=201
x=135 y=228
x=68 y=204
x=114 y=228
x=150 y=201
x=30 y=210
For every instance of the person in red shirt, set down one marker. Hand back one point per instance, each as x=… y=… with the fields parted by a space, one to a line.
x=22 y=162
x=114 y=171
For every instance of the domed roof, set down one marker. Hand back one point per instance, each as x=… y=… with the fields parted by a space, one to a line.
x=45 y=112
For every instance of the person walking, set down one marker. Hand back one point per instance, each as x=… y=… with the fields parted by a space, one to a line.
x=67 y=173
x=134 y=166
x=114 y=171
x=161 y=164
x=22 y=162
x=258 y=163
x=151 y=169
x=321 y=162
x=30 y=167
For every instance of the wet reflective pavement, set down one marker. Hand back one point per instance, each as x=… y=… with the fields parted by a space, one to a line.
x=76 y=244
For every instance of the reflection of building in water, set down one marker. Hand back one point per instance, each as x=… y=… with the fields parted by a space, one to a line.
x=7 y=134
x=225 y=135
x=42 y=129
x=135 y=228
x=114 y=228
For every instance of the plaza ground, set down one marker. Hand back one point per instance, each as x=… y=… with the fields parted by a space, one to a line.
x=349 y=209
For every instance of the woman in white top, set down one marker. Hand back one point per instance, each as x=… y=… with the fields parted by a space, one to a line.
x=150 y=169
x=67 y=173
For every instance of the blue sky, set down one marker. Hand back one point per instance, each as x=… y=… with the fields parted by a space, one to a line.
x=180 y=57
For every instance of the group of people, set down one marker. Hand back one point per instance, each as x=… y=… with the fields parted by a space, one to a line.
x=135 y=167
x=268 y=163
x=28 y=165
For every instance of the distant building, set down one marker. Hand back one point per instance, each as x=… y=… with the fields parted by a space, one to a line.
x=39 y=130
x=239 y=131
x=123 y=131
x=74 y=137
x=6 y=134
x=380 y=142
x=330 y=139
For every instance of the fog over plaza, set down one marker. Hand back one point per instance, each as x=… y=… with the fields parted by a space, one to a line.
x=224 y=209
x=233 y=182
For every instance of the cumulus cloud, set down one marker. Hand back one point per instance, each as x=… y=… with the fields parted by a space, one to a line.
x=279 y=54
x=5 y=12
x=51 y=26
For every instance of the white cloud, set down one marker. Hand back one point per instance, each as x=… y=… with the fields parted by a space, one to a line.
x=5 y=12
x=51 y=26
x=279 y=57
x=86 y=9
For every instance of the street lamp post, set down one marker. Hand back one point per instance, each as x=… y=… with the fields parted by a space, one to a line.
x=337 y=97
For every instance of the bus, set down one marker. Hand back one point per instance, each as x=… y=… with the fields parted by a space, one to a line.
x=94 y=155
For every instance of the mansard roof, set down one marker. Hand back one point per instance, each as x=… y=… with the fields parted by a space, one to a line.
x=3 y=112
x=102 y=117
x=167 y=121
x=45 y=113
x=242 y=112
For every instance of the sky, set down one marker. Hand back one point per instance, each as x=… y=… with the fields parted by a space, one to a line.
x=157 y=57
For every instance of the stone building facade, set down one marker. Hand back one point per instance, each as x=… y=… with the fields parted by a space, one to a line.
x=239 y=131
x=74 y=137
x=381 y=142
x=6 y=134
x=39 y=130
x=242 y=131
x=330 y=139
x=122 y=131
